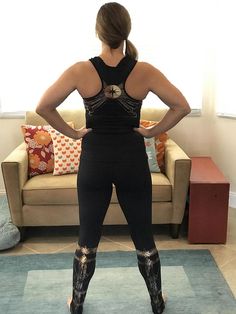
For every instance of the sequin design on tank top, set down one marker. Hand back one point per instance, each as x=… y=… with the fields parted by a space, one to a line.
x=115 y=92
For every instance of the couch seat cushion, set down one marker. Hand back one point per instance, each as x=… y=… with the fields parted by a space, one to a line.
x=161 y=188
x=47 y=189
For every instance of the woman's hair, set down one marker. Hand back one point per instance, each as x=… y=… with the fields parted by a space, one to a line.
x=113 y=25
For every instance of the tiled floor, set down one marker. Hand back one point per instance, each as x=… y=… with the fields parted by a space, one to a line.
x=64 y=239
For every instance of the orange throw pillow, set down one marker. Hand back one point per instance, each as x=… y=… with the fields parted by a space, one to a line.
x=66 y=153
x=160 y=141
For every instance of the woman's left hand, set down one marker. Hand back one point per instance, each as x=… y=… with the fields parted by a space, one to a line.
x=145 y=132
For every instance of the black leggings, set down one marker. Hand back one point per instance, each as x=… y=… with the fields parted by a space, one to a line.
x=108 y=162
x=120 y=160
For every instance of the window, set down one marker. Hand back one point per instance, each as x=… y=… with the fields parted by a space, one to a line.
x=225 y=59
x=40 y=39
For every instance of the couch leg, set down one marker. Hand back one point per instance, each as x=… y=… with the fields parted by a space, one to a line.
x=174 y=230
x=23 y=233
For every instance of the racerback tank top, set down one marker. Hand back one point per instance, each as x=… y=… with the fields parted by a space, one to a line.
x=112 y=110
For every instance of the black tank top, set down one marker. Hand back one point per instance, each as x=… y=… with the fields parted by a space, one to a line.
x=112 y=110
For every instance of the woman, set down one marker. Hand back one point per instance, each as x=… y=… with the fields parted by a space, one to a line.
x=113 y=86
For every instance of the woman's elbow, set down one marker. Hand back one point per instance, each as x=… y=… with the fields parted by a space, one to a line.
x=38 y=110
x=42 y=109
x=185 y=108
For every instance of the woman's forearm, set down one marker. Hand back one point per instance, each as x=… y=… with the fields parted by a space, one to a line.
x=56 y=121
x=171 y=118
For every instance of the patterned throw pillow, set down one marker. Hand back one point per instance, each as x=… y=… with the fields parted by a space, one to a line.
x=66 y=153
x=39 y=148
x=155 y=164
x=151 y=153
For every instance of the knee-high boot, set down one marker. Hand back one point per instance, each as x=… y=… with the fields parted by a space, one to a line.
x=83 y=270
x=150 y=268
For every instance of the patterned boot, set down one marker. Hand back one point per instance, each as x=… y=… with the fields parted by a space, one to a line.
x=150 y=268
x=83 y=270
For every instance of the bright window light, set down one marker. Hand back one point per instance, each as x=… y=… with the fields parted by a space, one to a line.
x=40 y=39
x=226 y=58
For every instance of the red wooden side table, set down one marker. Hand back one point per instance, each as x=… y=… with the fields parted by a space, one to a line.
x=208 y=202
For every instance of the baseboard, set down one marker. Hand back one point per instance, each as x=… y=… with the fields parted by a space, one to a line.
x=232 y=199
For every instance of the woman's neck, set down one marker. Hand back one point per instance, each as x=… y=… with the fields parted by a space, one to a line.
x=112 y=56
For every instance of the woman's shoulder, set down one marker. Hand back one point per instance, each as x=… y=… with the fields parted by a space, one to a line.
x=145 y=65
x=81 y=65
x=82 y=68
x=146 y=69
x=149 y=69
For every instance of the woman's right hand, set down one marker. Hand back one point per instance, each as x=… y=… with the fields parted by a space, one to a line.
x=82 y=132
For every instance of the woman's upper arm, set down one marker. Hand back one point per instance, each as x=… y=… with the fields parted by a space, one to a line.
x=59 y=90
x=164 y=89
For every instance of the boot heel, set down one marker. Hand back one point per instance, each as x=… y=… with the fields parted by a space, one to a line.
x=75 y=309
x=158 y=309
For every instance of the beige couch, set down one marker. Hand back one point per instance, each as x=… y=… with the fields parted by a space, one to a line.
x=47 y=200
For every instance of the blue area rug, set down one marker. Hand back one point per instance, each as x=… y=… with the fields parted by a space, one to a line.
x=41 y=284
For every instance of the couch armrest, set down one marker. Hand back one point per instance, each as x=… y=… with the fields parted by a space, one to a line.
x=15 y=174
x=177 y=167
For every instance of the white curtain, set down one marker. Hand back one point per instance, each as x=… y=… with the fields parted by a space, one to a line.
x=41 y=38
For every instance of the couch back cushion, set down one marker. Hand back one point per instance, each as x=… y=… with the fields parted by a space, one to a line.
x=75 y=115
x=152 y=113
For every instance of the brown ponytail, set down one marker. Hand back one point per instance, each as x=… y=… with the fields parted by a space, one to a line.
x=131 y=49
x=113 y=25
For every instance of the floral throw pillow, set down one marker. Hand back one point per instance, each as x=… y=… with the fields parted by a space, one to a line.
x=155 y=148
x=66 y=153
x=39 y=146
